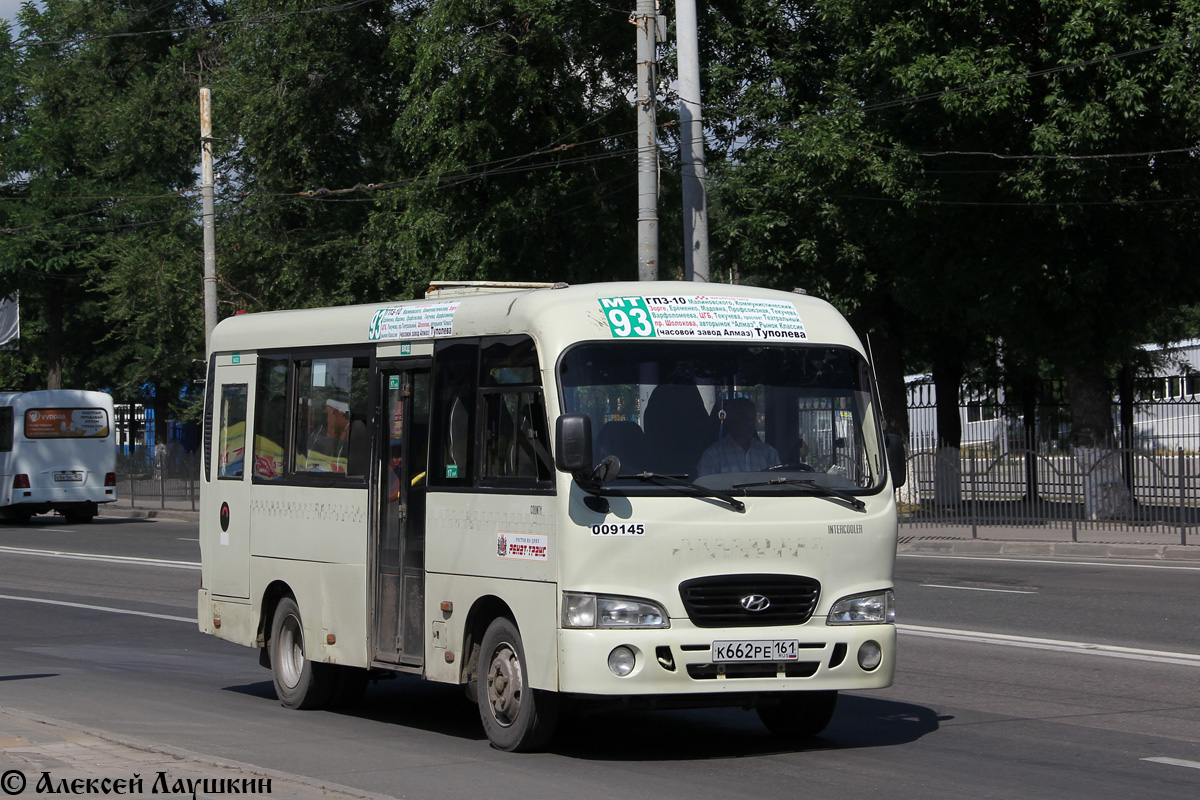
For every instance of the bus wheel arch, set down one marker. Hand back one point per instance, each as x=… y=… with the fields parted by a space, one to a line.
x=480 y=616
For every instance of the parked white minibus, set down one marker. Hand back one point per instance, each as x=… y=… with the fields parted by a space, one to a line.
x=58 y=452
x=669 y=494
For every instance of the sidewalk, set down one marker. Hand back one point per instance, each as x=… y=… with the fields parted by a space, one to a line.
x=1090 y=542
x=41 y=757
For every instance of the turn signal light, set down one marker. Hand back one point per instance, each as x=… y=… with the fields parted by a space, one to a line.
x=20 y=481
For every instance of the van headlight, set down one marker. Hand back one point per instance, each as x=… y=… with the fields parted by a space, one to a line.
x=600 y=611
x=864 y=609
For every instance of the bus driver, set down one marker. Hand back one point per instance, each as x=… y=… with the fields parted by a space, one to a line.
x=740 y=449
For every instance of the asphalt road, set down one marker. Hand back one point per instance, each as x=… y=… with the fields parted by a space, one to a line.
x=1017 y=678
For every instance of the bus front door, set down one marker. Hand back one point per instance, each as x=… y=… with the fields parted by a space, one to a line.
x=399 y=600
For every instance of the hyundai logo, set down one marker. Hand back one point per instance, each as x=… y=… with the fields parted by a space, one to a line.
x=755 y=602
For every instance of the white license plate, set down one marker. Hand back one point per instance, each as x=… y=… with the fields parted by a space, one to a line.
x=69 y=475
x=756 y=650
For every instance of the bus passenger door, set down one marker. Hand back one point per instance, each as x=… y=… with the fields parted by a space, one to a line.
x=400 y=536
x=229 y=494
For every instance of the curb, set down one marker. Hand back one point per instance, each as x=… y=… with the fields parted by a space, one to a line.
x=1153 y=552
x=150 y=513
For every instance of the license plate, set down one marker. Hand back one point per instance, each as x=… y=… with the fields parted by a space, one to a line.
x=69 y=475
x=756 y=650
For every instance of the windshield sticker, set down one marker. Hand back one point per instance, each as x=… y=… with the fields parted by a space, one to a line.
x=620 y=529
x=523 y=546
x=703 y=317
x=426 y=321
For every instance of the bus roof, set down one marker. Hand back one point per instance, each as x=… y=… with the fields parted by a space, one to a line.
x=55 y=398
x=555 y=315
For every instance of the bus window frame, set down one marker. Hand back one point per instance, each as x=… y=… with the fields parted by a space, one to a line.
x=290 y=477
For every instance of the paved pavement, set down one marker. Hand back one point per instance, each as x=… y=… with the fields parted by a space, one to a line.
x=41 y=757
x=35 y=749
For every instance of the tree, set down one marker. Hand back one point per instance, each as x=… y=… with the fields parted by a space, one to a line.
x=103 y=112
x=992 y=169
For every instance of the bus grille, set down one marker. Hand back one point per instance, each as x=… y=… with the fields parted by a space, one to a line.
x=717 y=602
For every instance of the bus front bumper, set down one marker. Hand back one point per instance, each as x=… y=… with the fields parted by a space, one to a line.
x=683 y=660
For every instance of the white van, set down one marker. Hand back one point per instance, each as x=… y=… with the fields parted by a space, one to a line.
x=57 y=453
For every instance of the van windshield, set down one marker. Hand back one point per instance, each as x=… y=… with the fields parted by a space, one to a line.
x=756 y=419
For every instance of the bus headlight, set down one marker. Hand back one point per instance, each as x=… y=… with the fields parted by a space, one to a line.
x=599 y=611
x=862 y=609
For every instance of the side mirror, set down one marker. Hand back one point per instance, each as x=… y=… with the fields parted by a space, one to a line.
x=897 y=463
x=573 y=443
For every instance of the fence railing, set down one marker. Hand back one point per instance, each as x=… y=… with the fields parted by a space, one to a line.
x=1153 y=492
x=144 y=479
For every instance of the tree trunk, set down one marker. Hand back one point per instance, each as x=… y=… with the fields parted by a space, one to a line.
x=947 y=477
x=1105 y=495
x=54 y=339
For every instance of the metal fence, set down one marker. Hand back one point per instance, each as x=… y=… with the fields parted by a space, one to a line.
x=147 y=480
x=1150 y=484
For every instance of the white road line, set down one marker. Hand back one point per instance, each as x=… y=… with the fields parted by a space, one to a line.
x=1054 y=645
x=976 y=588
x=1175 y=762
x=1054 y=561
x=148 y=562
x=192 y=620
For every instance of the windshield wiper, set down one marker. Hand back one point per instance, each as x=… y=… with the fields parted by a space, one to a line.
x=703 y=491
x=820 y=488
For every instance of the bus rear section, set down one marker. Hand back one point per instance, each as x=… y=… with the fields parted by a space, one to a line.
x=57 y=454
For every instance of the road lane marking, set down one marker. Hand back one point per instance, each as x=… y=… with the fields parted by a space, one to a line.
x=976 y=588
x=1054 y=645
x=109 y=609
x=1175 y=762
x=1054 y=561
x=150 y=562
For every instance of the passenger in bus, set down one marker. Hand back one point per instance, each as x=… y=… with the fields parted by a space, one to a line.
x=327 y=444
x=740 y=449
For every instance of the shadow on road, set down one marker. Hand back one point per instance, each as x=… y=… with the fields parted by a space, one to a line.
x=860 y=721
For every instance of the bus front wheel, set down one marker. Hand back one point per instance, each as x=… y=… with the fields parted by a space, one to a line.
x=299 y=682
x=799 y=714
x=516 y=718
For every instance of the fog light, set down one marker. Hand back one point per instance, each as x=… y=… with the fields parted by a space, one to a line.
x=870 y=655
x=621 y=661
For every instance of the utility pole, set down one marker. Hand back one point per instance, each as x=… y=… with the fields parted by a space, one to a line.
x=691 y=134
x=209 y=214
x=645 y=17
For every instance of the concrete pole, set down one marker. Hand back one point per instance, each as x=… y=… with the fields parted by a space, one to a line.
x=209 y=214
x=691 y=135
x=646 y=20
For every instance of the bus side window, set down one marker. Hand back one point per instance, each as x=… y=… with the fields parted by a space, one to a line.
x=231 y=436
x=6 y=429
x=452 y=457
x=270 y=418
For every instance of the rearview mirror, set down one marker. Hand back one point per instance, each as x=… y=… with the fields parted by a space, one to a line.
x=573 y=443
x=897 y=462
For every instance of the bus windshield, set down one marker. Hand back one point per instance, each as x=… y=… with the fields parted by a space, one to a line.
x=747 y=417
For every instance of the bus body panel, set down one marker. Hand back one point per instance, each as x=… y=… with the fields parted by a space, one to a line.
x=500 y=535
x=533 y=606
x=66 y=448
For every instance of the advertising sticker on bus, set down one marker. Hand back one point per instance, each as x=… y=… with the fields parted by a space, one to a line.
x=66 y=423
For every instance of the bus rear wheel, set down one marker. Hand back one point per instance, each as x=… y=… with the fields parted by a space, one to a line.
x=799 y=714
x=515 y=717
x=299 y=682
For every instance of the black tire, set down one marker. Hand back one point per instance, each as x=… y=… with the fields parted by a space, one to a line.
x=799 y=714
x=515 y=717
x=299 y=683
